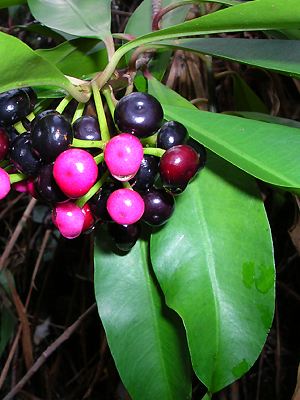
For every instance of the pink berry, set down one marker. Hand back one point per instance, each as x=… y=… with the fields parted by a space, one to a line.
x=69 y=219
x=125 y=206
x=26 y=186
x=4 y=144
x=88 y=218
x=4 y=183
x=75 y=171
x=123 y=155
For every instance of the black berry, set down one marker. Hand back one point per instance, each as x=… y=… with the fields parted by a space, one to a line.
x=147 y=173
x=22 y=156
x=159 y=206
x=86 y=128
x=138 y=113
x=124 y=236
x=46 y=186
x=51 y=135
x=172 y=133
x=14 y=106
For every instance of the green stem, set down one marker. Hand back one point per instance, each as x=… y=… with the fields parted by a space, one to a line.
x=4 y=163
x=149 y=141
x=30 y=117
x=100 y=113
x=154 y=151
x=19 y=127
x=14 y=178
x=84 y=199
x=126 y=185
x=111 y=102
x=99 y=158
x=63 y=104
x=86 y=144
x=79 y=111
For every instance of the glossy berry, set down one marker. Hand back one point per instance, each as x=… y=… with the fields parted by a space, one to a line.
x=125 y=206
x=138 y=113
x=172 y=133
x=50 y=136
x=4 y=144
x=124 y=236
x=11 y=133
x=26 y=186
x=47 y=188
x=69 y=219
x=99 y=200
x=200 y=149
x=22 y=156
x=4 y=183
x=147 y=173
x=178 y=165
x=41 y=115
x=123 y=155
x=86 y=128
x=159 y=206
x=89 y=219
x=14 y=106
x=75 y=171
x=32 y=96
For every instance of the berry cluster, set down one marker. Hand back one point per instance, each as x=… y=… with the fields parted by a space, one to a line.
x=86 y=180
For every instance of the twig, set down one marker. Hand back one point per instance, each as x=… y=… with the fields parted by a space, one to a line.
x=48 y=352
x=11 y=204
x=16 y=233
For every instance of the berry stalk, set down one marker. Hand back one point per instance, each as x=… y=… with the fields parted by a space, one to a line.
x=154 y=151
x=100 y=113
x=84 y=199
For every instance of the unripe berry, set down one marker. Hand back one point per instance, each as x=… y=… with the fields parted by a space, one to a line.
x=125 y=206
x=123 y=155
x=4 y=183
x=75 y=171
x=69 y=219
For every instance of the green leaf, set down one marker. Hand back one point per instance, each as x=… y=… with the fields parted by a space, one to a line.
x=9 y=3
x=245 y=99
x=252 y=15
x=266 y=118
x=145 y=337
x=7 y=326
x=264 y=150
x=20 y=66
x=220 y=282
x=76 y=17
x=275 y=55
x=74 y=58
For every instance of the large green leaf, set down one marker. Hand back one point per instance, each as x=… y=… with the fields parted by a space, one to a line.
x=245 y=99
x=75 y=58
x=214 y=262
x=276 y=55
x=145 y=337
x=265 y=150
x=20 y=66
x=166 y=95
x=9 y=3
x=266 y=118
x=81 y=18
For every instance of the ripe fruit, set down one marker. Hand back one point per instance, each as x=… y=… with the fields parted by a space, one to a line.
x=123 y=155
x=124 y=236
x=147 y=173
x=69 y=219
x=172 y=133
x=75 y=171
x=42 y=115
x=46 y=186
x=139 y=114
x=86 y=128
x=4 y=183
x=89 y=219
x=4 y=144
x=50 y=136
x=159 y=206
x=32 y=96
x=22 y=156
x=125 y=206
x=178 y=165
x=14 y=106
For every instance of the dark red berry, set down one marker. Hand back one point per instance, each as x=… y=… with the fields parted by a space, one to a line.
x=22 y=156
x=172 y=133
x=138 y=113
x=14 y=106
x=200 y=149
x=86 y=128
x=147 y=173
x=159 y=206
x=46 y=186
x=124 y=236
x=178 y=165
x=89 y=219
x=4 y=144
x=50 y=136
